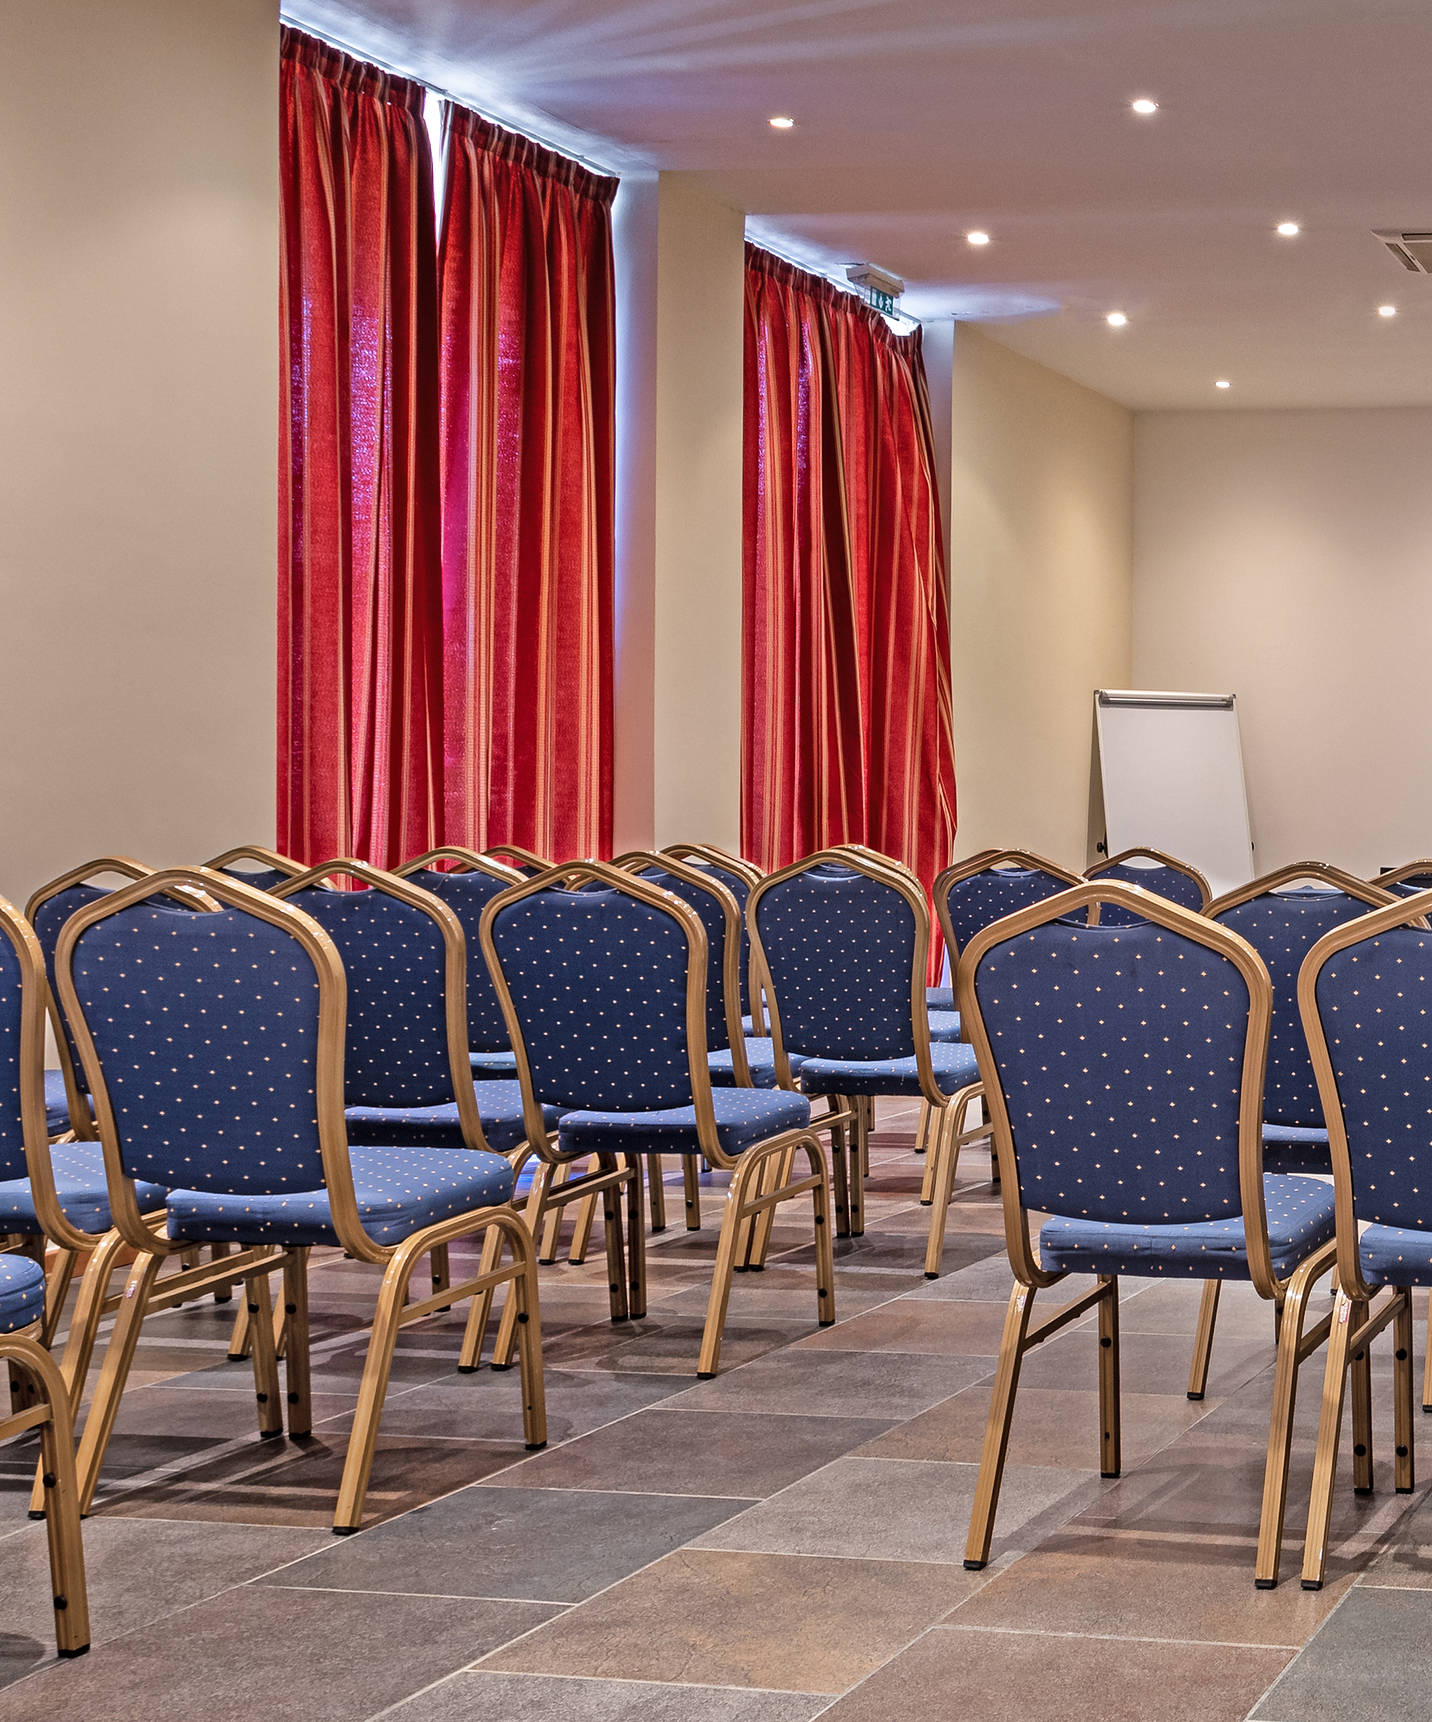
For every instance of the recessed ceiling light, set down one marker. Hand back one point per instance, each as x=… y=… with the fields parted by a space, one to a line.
x=977 y=237
x=1289 y=229
x=1144 y=106
x=782 y=122
x=1387 y=310
x=1223 y=383
x=1117 y=319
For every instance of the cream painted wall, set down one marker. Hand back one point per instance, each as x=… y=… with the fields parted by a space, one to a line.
x=138 y=316
x=1041 y=503
x=1287 y=557
x=697 y=638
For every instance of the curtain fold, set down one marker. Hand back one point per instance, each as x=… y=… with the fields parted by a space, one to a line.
x=360 y=596
x=528 y=448
x=848 y=736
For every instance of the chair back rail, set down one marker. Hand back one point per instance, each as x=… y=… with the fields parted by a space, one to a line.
x=1407 y=880
x=1169 y=877
x=519 y=859
x=271 y=868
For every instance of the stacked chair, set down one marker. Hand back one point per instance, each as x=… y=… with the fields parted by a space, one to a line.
x=1124 y=1070
x=604 y=982
x=1365 y=992
x=213 y=1042
x=1406 y=881
x=266 y=868
x=1283 y=915
x=1173 y=880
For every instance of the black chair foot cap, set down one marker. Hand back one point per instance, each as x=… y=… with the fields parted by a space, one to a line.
x=67 y=1655
x=300 y=1434
x=236 y=1357
x=346 y=1530
x=445 y=1310
x=468 y=1368
x=546 y=1261
x=1265 y=1584
x=270 y=1434
x=1402 y=1491
x=758 y=1267
x=826 y=1321
x=656 y=1229
x=1110 y=1474
x=932 y=1276
x=621 y=1318
x=535 y=1446
x=1363 y=1492
x=705 y=1374
x=35 y=1515
x=499 y=1367
x=1312 y=1584
x=1195 y=1396
x=925 y=1204
x=741 y=1268
x=974 y=1566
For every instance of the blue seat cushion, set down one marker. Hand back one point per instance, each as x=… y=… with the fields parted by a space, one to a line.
x=1396 y=1256
x=399 y=1190
x=1300 y=1220
x=1295 y=1148
x=499 y=1105
x=939 y=998
x=22 y=1292
x=954 y=1066
x=744 y=1116
x=493 y=1064
x=944 y=1025
x=82 y=1189
x=760 y=1060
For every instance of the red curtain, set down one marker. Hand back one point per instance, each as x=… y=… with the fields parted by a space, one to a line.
x=847 y=728
x=528 y=450
x=360 y=596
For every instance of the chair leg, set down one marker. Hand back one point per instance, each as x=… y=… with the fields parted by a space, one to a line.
x=61 y=1495
x=239 y=1341
x=480 y=1313
x=824 y=1243
x=1110 y=1445
x=373 y=1389
x=582 y=1230
x=766 y=1219
x=1427 y=1361
x=1325 y=1459
x=616 y=1266
x=114 y=1372
x=838 y=1173
x=442 y=1276
x=943 y=1161
x=1404 y=1479
x=507 y=1326
x=746 y=1174
x=1360 y=1373
x=523 y=1291
x=1203 y=1339
x=222 y=1294
x=855 y=1182
x=690 y=1178
x=656 y=1192
x=864 y=1125
x=636 y=1238
x=552 y=1225
x=1280 y=1423
x=1001 y=1416
x=265 y=1355
x=298 y=1371
x=922 y=1127
x=57 y=1289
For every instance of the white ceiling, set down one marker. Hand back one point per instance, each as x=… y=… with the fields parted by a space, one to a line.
x=919 y=119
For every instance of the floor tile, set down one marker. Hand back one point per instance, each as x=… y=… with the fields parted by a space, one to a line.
x=670 y=1451
x=1405 y=1556
x=951 y=1675
x=1052 y=1426
x=935 y=1329
x=837 y=1383
x=288 y=1656
x=782 y=1622
x=1149 y=1585
x=1148 y=1362
x=477 y=1696
x=1370 y=1661
x=552 y=1545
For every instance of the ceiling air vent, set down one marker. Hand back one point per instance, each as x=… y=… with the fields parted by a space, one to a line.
x=1412 y=250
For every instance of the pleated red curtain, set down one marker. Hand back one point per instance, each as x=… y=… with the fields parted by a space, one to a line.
x=847 y=725
x=528 y=451
x=360 y=596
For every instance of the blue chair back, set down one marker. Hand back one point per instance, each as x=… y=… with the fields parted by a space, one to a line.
x=1373 y=1002
x=467 y=894
x=1406 y=881
x=598 y=983
x=48 y=919
x=397 y=1051
x=841 y=948
x=740 y=888
x=205 y=1026
x=713 y=918
x=1171 y=883
x=1283 y=926
x=1119 y=1056
x=12 y=1006
x=972 y=903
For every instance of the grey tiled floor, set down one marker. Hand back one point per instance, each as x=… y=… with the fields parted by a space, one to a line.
x=783 y=1542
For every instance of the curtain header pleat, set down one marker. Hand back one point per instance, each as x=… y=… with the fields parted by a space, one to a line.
x=533 y=157
x=350 y=74
x=827 y=293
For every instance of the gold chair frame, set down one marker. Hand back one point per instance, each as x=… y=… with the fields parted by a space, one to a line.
x=518 y=854
x=747 y=1199
x=256 y=1263
x=1396 y=875
x=1164 y=860
x=1355 y=1322
x=269 y=858
x=1289 y=1297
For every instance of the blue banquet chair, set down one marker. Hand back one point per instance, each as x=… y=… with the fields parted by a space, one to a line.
x=267 y=867
x=621 y=1048
x=44 y=1404
x=1123 y=1071
x=518 y=859
x=1283 y=915
x=1171 y=879
x=843 y=941
x=1407 y=880
x=1364 y=991
x=214 y=1046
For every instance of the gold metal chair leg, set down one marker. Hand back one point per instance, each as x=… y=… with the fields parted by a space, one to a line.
x=1110 y=1444
x=690 y=1178
x=922 y=1128
x=864 y=1125
x=265 y=1355
x=298 y=1372
x=943 y=1161
x=542 y=1180
x=523 y=1292
x=582 y=1229
x=656 y=1192
x=824 y=1241
x=1404 y=1477
x=636 y=1239
x=1001 y=1416
x=1325 y=1459
x=1203 y=1339
x=1427 y=1361
x=766 y=1219
x=838 y=1168
x=616 y=1266
x=114 y=1372
x=746 y=1174
x=441 y=1271
x=61 y=1495
x=552 y=1225
x=239 y=1342
x=57 y=1289
x=480 y=1312
x=1360 y=1373
x=222 y=1294
x=1291 y=1352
